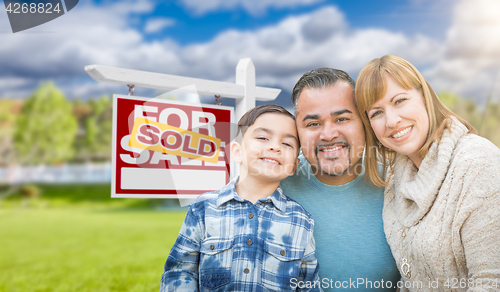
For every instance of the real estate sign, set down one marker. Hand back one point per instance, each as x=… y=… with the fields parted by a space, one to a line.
x=169 y=149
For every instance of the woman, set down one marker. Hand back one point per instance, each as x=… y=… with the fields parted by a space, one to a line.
x=442 y=197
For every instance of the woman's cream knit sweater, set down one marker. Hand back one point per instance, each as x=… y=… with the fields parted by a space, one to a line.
x=444 y=218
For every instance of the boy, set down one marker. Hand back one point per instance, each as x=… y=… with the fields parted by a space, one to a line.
x=248 y=236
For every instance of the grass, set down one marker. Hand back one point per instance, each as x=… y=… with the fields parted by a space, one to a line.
x=75 y=238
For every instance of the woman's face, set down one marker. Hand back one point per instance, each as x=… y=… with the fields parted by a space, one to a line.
x=400 y=121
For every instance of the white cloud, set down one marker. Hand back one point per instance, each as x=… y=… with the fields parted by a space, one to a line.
x=323 y=23
x=254 y=7
x=64 y=45
x=281 y=52
x=297 y=44
x=13 y=86
x=89 y=34
x=471 y=58
x=12 y=82
x=466 y=62
x=475 y=30
x=158 y=24
x=92 y=89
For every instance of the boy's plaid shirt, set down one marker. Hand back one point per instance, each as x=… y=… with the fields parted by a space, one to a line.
x=229 y=244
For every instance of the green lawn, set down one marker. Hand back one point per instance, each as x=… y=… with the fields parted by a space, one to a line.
x=75 y=238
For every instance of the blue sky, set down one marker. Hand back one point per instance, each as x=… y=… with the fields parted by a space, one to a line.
x=454 y=43
x=191 y=25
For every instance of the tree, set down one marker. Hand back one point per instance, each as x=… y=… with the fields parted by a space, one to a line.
x=464 y=108
x=93 y=141
x=8 y=114
x=46 y=127
x=490 y=125
x=486 y=122
x=8 y=156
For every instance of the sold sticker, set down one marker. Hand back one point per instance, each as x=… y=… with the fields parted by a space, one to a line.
x=159 y=137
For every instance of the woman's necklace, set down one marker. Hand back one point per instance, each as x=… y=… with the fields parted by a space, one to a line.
x=407 y=254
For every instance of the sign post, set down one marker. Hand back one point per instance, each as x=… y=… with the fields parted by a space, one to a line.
x=168 y=149
x=243 y=89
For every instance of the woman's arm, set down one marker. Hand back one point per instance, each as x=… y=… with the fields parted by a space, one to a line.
x=479 y=209
x=480 y=236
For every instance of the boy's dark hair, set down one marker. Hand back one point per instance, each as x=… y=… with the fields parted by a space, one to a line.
x=249 y=118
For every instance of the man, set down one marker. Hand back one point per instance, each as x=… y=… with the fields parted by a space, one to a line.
x=329 y=183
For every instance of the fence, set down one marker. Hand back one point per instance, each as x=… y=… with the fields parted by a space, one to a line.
x=80 y=173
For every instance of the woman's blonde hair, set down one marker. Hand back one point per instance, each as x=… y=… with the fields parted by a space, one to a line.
x=371 y=87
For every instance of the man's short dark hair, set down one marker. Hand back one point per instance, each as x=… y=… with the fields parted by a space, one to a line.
x=249 y=118
x=319 y=78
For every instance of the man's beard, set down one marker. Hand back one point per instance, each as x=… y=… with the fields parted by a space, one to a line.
x=316 y=151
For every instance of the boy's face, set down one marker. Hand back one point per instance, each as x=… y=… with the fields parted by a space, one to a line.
x=269 y=148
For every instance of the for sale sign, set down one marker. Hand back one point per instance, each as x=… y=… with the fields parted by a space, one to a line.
x=169 y=149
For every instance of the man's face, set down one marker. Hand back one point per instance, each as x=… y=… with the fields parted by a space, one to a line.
x=331 y=132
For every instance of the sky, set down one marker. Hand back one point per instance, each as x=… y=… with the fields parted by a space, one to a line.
x=454 y=43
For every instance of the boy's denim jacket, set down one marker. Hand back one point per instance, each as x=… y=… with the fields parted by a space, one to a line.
x=229 y=244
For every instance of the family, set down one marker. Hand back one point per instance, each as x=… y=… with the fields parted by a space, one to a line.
x=370 y=186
